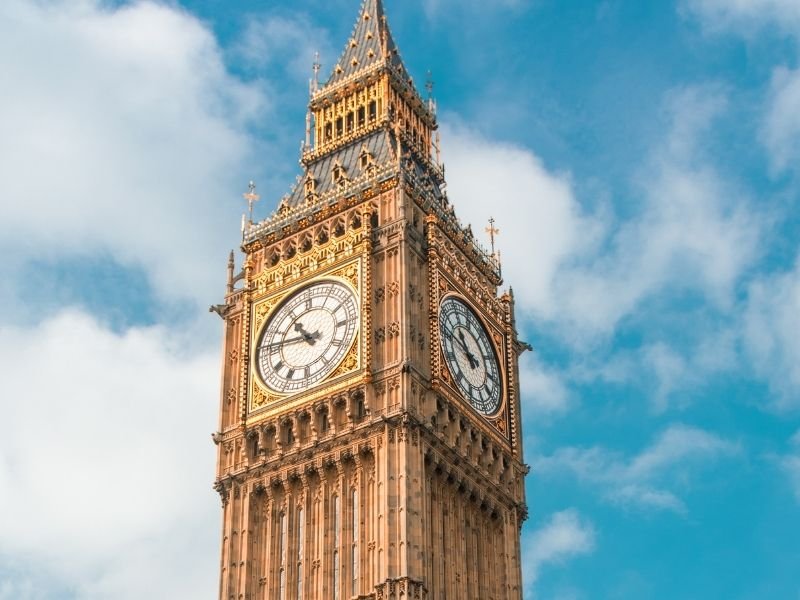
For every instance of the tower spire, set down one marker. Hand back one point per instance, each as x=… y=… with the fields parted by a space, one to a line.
x=370 y=45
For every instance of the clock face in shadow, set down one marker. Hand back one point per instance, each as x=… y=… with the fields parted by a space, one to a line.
x=470 y=355
x=307 y=337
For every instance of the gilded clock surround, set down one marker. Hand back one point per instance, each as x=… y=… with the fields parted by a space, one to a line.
x=340 y=259
x=381 y=482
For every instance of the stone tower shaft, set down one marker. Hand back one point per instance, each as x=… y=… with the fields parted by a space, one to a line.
x=381 y=480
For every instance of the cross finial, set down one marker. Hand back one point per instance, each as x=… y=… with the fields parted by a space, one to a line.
x=251 y=198
x=492 y=231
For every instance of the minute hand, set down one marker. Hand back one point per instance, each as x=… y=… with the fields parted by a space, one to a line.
x=285 y=342
x=473 y=362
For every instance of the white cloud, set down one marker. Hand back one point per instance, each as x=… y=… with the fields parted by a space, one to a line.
x=670 y=370
x=584 y=273
x=543 y=390
x=791 y=465
x=105 y=469
x=770 y=333
x=288 y=41
x=642 y=481
x=746 y=15
x=781 y=131
x=565 y=535
x=781 y=123
x=536 y=210
x=693 y=231
x=123 y=134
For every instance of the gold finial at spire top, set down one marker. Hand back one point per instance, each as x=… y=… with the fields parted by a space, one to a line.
x=492 y=231
x=251 y=198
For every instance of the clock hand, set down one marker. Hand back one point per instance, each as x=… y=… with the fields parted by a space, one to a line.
x=473 y=362
x=284 y=342
x=311 y=338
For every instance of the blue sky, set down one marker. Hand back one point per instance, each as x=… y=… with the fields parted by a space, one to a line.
x=641 y=159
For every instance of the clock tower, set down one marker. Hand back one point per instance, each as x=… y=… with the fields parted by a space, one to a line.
x=369 y=442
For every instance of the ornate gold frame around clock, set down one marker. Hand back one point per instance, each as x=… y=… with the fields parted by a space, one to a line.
x=442 y=380
x=343 y=259
x=495 y=341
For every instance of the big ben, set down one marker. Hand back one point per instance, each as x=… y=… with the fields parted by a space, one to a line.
x=369 y=443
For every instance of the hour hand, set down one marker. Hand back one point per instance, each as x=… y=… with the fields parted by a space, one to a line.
x=311 y=338
x=473 y=362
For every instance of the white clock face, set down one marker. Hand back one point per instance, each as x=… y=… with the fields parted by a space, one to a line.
x=470 y=355
x=307 y=337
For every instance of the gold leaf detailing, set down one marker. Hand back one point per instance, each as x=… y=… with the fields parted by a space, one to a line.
x=260 y=398
x=350 y=362
x=262 y=310
x=350 y=273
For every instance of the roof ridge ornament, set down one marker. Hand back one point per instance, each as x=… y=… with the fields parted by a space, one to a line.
x=251 y=198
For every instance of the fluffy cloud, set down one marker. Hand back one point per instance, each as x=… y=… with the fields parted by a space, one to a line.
x=693 y=233
x=642 y=481
x=746 y=14
x=104 y=451
x=586 y=272
x=564 y=535
x=124 y=136
x=791 y=465
x=289 y=42
x=770 y=333
x=543 y=390
x=534 y=207
x=781 y=123
x=781 y=131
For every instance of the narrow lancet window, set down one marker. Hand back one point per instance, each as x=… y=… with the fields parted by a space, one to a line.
x=283 y=541
x=354 y=559
x=300 y=552
x=336 y=522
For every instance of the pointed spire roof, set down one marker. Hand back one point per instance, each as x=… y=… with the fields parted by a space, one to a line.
x=370 y=44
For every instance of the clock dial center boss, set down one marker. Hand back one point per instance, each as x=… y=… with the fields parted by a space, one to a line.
x=307 y=336
x=470 y=355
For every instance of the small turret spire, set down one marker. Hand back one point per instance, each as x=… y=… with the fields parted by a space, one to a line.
x=231 y=266
x=315 y=68
x=429 y=84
